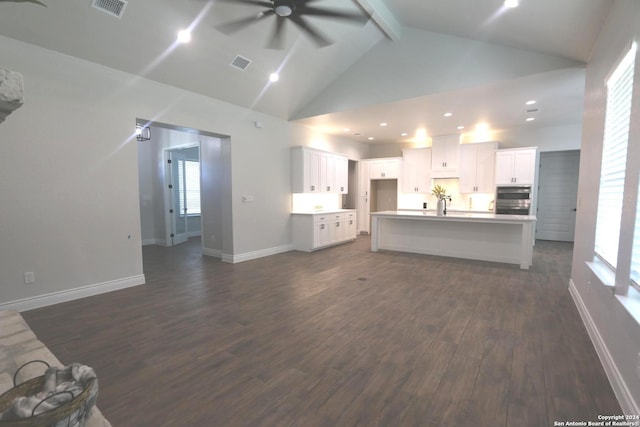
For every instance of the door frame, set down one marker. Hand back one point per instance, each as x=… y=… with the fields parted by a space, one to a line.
x=168 y=195
x=541 y=191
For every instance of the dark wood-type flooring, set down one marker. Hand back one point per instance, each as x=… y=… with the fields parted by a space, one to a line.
x=340 y=337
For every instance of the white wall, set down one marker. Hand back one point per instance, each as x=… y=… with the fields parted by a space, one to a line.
x=615 y=332
x=70 y=210
x=424 y=63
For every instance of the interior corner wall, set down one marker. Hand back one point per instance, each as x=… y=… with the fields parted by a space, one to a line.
x=615 y=333
x=78 y=227
x=145 y=175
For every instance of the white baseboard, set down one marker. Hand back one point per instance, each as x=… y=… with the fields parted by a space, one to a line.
x=625 y=398
x=247 y=256
x=154 y=241
x=217 y=253
x=72 y=294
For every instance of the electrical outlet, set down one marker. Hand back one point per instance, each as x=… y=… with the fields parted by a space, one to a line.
x=29 y=277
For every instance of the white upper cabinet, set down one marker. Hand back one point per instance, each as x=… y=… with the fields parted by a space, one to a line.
x=477 y=167
x=445 y=153
x=341 y=174
x=315 y=171
x=516 y=166
x=416 y=170
x=387 y=168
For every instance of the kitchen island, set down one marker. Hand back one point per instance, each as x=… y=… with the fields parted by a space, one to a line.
x=479 y=236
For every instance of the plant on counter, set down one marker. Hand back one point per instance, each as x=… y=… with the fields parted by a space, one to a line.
x=440 y=192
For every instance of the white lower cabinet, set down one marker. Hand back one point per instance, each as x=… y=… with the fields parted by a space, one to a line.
x=318 y=230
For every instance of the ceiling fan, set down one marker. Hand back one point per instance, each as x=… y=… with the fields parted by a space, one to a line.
x=295 y=11
x=25 y=1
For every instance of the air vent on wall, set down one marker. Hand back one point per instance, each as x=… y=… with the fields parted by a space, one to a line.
x=112 y=7
x=240 y=62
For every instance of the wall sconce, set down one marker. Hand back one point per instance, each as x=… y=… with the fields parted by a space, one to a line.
x=143 y=133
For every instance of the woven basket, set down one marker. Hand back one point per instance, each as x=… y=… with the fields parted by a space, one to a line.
x=70 y=411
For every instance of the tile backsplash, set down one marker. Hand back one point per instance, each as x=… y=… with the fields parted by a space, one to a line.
x=475 y=202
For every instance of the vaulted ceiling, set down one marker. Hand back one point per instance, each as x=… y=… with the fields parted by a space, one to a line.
x=408 y=65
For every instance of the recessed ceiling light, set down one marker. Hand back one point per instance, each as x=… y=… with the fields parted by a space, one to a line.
x=404 y=134
x=448 y=114
x=530 y=102
x=511 y=3
x=346 y=129
x=274 y=77
x=530 y=119
x=184 y=36
x=460 y=127
x=383 y=124
x=370 y=138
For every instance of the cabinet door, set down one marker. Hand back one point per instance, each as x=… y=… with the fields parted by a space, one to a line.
x=391 y=168
x=486 y=164
x=342 y=175
x=328 y=173
x=312 y=171
x=445 y=153
x=340 y=230
x=524 y=167
x=416 y=171
x=468 y=168
x=384 y=169
x=376 y=169
x=351 y=229
x=504 y=167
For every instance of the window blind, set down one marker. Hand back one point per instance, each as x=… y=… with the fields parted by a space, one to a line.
x=614 y=159
x=189 y=187
x=192 y=187
x=635 y=254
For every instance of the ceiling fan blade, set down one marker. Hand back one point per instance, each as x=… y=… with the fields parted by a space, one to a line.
x=348 y=16
x=233 y=26
x=262 y=3
x=314 y=34
x=277 y=38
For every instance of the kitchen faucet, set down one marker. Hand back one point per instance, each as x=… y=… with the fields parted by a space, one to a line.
x=445 y=203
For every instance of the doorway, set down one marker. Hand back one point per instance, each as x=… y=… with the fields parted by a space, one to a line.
x=557 y=195
x=183 y=194
x=202 y=165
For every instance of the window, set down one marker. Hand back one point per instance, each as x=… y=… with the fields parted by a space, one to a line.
x=635 y=254
x=614 y=159
x=189 y=186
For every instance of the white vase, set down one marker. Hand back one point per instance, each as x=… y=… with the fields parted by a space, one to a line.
x=440 y=209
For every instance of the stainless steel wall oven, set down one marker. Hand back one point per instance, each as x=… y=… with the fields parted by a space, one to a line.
x=513 y=200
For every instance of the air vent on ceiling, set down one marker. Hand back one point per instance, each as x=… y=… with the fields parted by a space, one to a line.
x=240 y=62
x=532 y=110
x=112 y=7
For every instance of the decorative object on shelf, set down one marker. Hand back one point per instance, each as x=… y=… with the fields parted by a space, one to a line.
x=24 y=1
x=143 y=133
x=441 y=193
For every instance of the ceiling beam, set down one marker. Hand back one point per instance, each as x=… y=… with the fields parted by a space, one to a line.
x=383 y=17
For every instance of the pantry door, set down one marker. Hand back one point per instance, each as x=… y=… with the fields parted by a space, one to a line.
x=557 y=195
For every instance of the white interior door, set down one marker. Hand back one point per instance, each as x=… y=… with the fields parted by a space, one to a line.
x=178 y=210
x=557 y=196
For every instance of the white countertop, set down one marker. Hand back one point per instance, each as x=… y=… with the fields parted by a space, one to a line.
x=323 y=212
x=455 y=216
